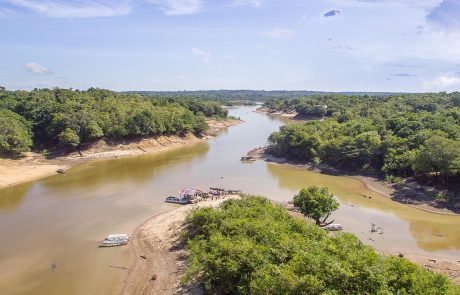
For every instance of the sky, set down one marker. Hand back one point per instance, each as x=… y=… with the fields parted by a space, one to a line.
x=321 y=45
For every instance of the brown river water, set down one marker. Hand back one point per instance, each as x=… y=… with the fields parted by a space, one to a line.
x=50 y=228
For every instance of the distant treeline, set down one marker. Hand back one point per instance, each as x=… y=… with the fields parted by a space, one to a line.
x=245 y=95
x=251 y=246
x=401 y=135
x=62 y=117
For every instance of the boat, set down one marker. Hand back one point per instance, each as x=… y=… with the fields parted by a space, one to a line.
x=113 y=243
x=247 y=158
x=177 y=200
x=186 y=196
x=115 y=240
x=333 y=227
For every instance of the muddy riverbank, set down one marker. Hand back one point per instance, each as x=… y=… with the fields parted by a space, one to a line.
x=378 y=185
x=159 y=255
x=34 y=166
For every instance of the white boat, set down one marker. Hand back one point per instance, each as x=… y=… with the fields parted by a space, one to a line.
x=118 y=236
x=113 y=243
x=177 y=200
x=186 y=196
x=115 y=240
x=333 y=227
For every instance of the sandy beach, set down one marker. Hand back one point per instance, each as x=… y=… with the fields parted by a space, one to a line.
x=34 y=166
x=159 y=256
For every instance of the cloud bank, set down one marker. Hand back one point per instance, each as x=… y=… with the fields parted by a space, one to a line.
x=37 y=68
x=74 y=9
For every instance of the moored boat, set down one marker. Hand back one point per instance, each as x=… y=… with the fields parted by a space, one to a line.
x=115 y=240
x=186 y=196
x=177 y=200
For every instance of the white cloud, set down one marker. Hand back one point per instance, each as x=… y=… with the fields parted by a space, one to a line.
x=77 y=9
x=179 y=7
x=255 y=3
x=37 y=68
x=203 y=54
x=276 y=33
x=442 y=82
x=446 y=15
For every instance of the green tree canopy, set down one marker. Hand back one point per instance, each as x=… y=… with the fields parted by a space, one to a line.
x=438 y=154
x=316 y=202
x=15 y=133
x=251 y=246
x=68 y=137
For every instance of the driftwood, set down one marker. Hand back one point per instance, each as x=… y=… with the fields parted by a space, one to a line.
x=121 y=267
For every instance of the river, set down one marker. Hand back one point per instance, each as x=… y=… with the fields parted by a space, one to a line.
x=50 y=228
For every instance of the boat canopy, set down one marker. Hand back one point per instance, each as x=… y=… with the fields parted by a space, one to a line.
x=189 y=192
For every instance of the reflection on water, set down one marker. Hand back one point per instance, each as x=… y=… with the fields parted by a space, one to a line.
x=404 y=227
x=53 y=225
x=11 y=197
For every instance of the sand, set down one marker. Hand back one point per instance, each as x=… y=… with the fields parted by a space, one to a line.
x=160 y=258
x=34 y=166
x=159 y=255
x=372 y=183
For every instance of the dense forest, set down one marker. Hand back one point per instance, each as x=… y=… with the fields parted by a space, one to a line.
x=231 y=96
x=401 y=135
x=45 y=118
x=250 y=246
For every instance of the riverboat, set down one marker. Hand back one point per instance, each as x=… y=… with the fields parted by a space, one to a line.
x=115 y=240
x=187 y=196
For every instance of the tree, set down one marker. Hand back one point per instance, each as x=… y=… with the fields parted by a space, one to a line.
x=317 y=203
x=15 y=134
x=68 y=137
x=438 y=154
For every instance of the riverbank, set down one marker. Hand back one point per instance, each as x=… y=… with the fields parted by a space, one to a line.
x=448 y=267
x=291 y=115
x=373 y=183
x=158 y=253
x=160 y=258
x=34 y=166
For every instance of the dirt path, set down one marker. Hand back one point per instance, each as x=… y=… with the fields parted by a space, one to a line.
x=159 y=256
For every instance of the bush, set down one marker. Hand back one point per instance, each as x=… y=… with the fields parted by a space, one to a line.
x=250 y=246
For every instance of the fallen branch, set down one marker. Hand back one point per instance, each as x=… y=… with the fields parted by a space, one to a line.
x=121 y=267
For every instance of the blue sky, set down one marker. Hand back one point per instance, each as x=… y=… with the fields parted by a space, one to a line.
x=333 y=45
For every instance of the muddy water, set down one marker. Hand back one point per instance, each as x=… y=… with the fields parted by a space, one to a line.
x=49 y=229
